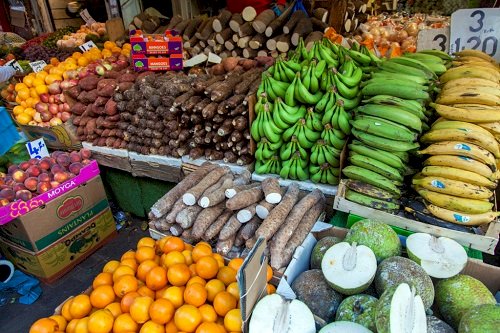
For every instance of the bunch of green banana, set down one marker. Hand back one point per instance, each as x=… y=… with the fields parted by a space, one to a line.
x=322 y=153
x=333 y=137
x=295 y=167
x=264 y=126
x=325 y=173
x=306 y=136
x=266 y=149
x=288 y=149
x=272 y=165
x=285 y=116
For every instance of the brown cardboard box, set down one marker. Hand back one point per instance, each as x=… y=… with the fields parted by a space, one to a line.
x=66 y=252
x=44 y=225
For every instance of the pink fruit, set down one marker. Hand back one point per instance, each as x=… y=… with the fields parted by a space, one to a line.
x=74 y=156
x=23 y=195
x=61 y=177
x=34 y=161
x=43 y=187
x=44 y=177
x=31 y=183
x=19 y=187
x=34 y=171
x=4 y=202
x=63 y=160
x=54 y=184
x=44 y=164
x=57 y=168
x=7 y=194
x=19 y=176
x=85 y=153
x=75 y=168
x=23 y=166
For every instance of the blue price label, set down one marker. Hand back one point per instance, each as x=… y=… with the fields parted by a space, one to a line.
x=37 y=149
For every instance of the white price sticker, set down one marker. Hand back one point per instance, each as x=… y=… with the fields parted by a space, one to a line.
x=434 y=39
x=477 y=29
x=85 y=15
x=38 y=66
x=15 y=64
x=37 y=148
x=87 y=46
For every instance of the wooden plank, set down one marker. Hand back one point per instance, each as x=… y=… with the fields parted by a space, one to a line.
x=59 y=14
x=337 y=14
x=76 y=22
x=58 y=4
x=113 y=158
x=157 y=167
x=115 y=28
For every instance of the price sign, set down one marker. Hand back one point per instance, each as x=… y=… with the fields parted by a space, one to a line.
x=87 y=46
x=14 y=64
x=477 y=29
x=37 y=149
x=37 y=66
x=434 y=39
x=85 y=15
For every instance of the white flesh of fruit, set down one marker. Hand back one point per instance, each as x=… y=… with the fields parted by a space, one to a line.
x=349 y=266
x=440 y=257
x=344 y=327
x=274 y=314
x=407 y=311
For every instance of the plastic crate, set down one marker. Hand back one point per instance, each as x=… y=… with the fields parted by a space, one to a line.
x=9 y=132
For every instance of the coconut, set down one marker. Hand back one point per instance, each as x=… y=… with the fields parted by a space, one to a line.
x=456 y=295
x=483 y=318
x=440 y=257
x=274 y=313
x=436 y=325
x=344 y=327
x=378 y=236
x=396 y=270
x=320 y=248
x=358 y=309
x=400 y=309
x=349 y=269
x=312 y=289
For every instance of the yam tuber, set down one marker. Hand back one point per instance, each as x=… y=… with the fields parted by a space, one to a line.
x=224 y=246
x=187 y=216
x=217 y=196
x=191 y=196
x=246 y=214
x=248 y=230
x=244 y=198
x=272 y=191
x=263 y=208
x=205 y=219
x=214 y=229
x=230 y=228
x=231 y=192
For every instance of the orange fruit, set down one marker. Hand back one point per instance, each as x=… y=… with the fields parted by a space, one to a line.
x=234 y=290
x=146 y=241
x=220 y=259
x=121 y=271
x=100 y=321
x=152 y=327
x=102 y=279
x=233 y=321
x=102 y=296
x=82 y=62
x=65 y=309
x=214 y=287
x=178 y=275
x=208 y=313
x=226 y=275
x=145 y=253
x=156 y=278
x=80 y=306
x=70 y=328
x=187 y=318
x=269 y=273
x=144 y=268
x=201 y=250
x=132 y=263
x=192 y=269
x=41 y=89
x=224 y=302
x=114 y=308
x=109 y=45
x=111 y=266
x=44 y=325
x=235 y=263
x=195 y=294
x=139 y=309
x=124 y=323
x=172 y=258
x=196 y=279
x=175 y=296
x=270 y=289
x=23 y=94
x=128 y=255
x=170 y=327
x=160 y=243
x=61 y=322
x=127 y=300
x=207 y=267
x=82 y=326
x=188 y=256
x=145 y=291
x=173 y=244
x=161 y=311
x=23 y=118
x=125 y=284
x=208 y=328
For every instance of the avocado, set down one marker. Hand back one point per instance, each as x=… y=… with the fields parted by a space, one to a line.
x=320 y=248
x=483 y=318
x=358 y=309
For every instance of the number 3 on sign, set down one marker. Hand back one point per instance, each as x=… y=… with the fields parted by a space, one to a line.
x=37 y=149
x=477 y=29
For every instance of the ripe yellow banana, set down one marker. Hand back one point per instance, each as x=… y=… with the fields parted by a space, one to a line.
x=484 y=64
x=462 y=163
x=439 y=134
x=457 y=174
x=468 y=71
x=450 y=202
x=493 y=128
x=458 y=148
x=474 y=53
x=467 y=114
x=472 y=89
x=462 y=96
x=469 y=82
x=443 y=123
x=496 y=175
x=453 y=187
x=461 y=218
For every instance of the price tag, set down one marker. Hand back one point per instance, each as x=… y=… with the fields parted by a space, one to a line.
x=477 y=29
x=85 y=15
x=37 y=148
x=14 y=64
x=434 y=39
x=37 y=66
x=87 y=46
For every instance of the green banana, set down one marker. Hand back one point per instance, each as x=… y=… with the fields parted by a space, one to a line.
x=325 y=100
x=289 y=114
x=344 y=90
x=372 y=178
x=406 y=92
x=400 y=76
x=384 y=128
x=414 y=63
x=369 y=201
x=343 y=118
x=359 y=57
x=408 y=105
x=424 y=57
x=375 y=166
x=349 y=104
x=351 y=80
x=303 y=95
x=437 y=53
x=329 y=136
x=292 y=131
x=287 y=71
x=313 y=120
x=393 y=114
x=380 y=155
x=306 y=77
x=279 y=88
x=383 y=143
x=369 y=190
x=262 y=167
x=320 y=68
x=393 y=67
x=401 y=83
x=290 y=93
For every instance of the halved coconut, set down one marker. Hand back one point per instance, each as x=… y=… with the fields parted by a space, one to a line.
x=441 y=257
x=400 y=310
x=275 y=314
x=349 y=269
x=344 y=327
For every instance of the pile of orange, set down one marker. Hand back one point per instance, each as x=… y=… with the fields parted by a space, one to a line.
x=164 y=286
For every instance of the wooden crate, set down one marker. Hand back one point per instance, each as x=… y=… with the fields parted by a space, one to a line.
x=486 y=243
x=110 y=157
x=155 y=166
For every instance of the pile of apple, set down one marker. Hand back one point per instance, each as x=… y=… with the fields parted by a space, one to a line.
x=53 y=109
x=36 y=176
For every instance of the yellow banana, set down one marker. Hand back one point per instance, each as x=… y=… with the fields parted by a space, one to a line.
x=462 y=163
x=450 y=202
x=440 y=133
x=461 y=218
x=467 y=71
x=457 y=174
x=443 y=123
x=462 y=96
x=472 y=89
x=473 y=58
x=458 y=148
x=474 y=53
x=484 y=64
x=491 y=127
x=496 y=175
x=453 y=187
x=469 y=82
x=467 y=114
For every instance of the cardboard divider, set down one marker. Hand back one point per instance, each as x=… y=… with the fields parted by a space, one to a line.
x=56 y=137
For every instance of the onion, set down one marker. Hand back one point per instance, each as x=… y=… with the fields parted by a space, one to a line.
x=44 y=98
x=58 y=115
x=52 y=99
x=66 y=107
x=402 y=35
x=55 y=122
x=60 y=107
x=37 y=117
x=40 y=107
x=66 y=84
x=55 y=88
x=53 y=109
x=412 y=29
x=65 y=116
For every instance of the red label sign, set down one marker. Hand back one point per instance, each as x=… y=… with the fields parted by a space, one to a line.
x=69 y=206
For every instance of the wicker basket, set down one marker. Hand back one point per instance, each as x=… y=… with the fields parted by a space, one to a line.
x=11 y=39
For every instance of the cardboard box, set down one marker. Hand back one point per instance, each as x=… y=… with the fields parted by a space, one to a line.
x=35 y=224
x=167 y=43
x=142 y=62
x=66 y=252
x=60 y=137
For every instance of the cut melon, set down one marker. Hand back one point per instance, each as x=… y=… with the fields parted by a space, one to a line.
x=275 y=314
x=400 y=310
x=440 y=257
x=349 y=269
x=344 y=327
